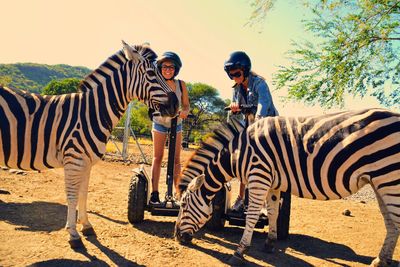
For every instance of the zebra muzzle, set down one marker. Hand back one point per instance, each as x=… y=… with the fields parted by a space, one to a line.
x=183 y=238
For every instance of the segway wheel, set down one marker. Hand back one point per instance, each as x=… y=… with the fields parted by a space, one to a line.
x=217 y=220
x=137 y=199
x=284 y=216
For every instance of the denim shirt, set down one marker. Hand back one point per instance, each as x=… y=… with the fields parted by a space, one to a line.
x=258 y=95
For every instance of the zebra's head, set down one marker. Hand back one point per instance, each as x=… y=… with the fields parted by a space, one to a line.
x=195 y=211
x=205 y=174
x=147 y=83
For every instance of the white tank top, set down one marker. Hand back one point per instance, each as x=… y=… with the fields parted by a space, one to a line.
x=166 y=121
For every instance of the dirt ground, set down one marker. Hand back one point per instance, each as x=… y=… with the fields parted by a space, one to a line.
x=32 y=219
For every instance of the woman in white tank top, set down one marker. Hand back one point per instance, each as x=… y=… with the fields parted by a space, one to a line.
x=169 y=65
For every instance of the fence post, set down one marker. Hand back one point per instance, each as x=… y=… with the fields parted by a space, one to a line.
x=126 y=132
x=138 y=145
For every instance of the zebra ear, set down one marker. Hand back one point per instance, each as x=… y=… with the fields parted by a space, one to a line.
x=130 y=53
x=196 y=183
x=146 y=44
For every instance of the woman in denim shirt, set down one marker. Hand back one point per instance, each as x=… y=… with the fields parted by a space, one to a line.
x=249 y=89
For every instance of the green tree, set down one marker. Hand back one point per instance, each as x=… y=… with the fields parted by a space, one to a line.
x=5 y=80
x=33 y=77
x=357 y=52
x=140 y=121
x=59 y=87
x=206 y=107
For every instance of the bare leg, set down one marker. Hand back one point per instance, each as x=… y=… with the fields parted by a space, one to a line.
x=158 y=153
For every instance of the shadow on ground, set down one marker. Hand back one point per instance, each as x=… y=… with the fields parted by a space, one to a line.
x=34 y=216
x=161 y=229
x=302 y=244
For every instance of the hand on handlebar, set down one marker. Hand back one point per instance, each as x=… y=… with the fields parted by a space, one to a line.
x=183 y=114
x=244 y=108
x=234 y=107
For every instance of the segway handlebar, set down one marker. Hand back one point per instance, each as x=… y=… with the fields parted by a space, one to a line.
x=244 y=108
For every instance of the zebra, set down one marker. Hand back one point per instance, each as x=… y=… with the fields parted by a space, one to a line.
x=71 y=130
x=321 y=157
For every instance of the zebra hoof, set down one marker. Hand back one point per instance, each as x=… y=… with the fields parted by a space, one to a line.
x=88 y=232
x=237 y=260
x=269 y=246
x=380 y=263
x=76 y=243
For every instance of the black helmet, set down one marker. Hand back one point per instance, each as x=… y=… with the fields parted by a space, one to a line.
x=171 y=56
x=238 y=60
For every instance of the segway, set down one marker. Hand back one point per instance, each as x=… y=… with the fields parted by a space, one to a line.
x=139 y=193
x=221 y=202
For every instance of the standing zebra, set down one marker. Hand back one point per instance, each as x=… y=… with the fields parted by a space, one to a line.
x=318 y=157
x=71 y=130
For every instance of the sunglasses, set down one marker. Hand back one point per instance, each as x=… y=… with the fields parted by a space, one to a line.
x=236 y=74
x=166 y=67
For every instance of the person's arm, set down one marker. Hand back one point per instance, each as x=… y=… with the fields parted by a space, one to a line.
x=185 y=101
x=265 y=106
x=235 y=102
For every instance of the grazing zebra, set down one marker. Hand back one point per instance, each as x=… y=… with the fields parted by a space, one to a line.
x=71 y=130
x=318 y=157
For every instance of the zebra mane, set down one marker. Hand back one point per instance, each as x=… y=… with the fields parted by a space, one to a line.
x=219 y=139
x=120 y=59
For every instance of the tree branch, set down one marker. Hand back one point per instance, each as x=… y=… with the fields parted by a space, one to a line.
x=377 y=38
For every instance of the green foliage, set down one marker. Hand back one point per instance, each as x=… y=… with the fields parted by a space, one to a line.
x=140 y=121
x=33 y=77
x=357 y=53
x=5 y=80
x=59 y=87
x=260 y=10
x=207 y=108
x=205 y=100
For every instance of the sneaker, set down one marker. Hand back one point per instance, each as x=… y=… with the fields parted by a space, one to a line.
x=154 y=198
x=238 y=205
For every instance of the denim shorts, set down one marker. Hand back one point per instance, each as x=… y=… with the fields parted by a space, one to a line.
x=162 y=129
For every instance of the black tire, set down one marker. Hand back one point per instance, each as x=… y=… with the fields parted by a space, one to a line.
x=217 y=220
x=137 y=198
x=284 y=216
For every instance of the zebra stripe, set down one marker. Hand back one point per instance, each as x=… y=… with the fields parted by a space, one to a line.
x=318 y=157
x=41 y=132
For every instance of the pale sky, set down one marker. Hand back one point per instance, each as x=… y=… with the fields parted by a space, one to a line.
x=203 y=33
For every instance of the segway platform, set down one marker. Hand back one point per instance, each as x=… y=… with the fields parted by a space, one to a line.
x=165 y=208
x=238 y=218
x=222 y=213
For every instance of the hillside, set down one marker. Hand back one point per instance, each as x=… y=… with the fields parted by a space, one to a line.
x=33 y=77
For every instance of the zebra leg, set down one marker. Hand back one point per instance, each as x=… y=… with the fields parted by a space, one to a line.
x=257 y=195
x=273 y=212
x=392 y=231
x=74 y=170
x=87 y=228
